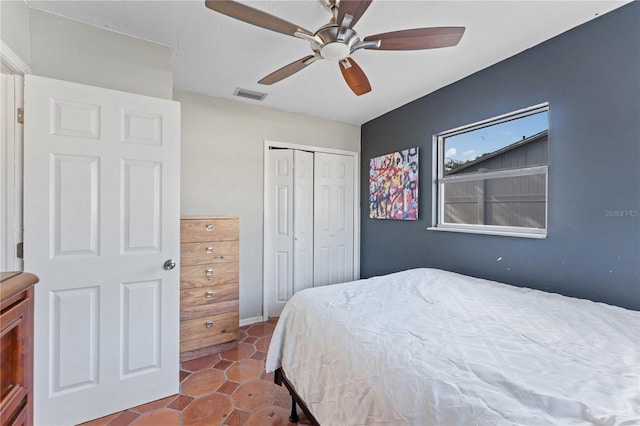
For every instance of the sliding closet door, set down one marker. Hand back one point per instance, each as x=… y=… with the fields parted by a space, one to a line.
x=279 y=230
x=289 y=238
x=333 y=219
x=302 y=220
x=309 y=223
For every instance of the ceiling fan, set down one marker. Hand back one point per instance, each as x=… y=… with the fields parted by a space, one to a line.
x=337 y=40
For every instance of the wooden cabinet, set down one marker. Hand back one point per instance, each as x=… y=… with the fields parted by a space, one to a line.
x=16 y=362
x=209 y=277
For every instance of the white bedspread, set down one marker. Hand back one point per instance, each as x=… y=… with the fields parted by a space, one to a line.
x=429 y=347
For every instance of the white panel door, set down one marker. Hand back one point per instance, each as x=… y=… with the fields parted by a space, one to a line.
x=333 y=219
x=302 y=220
x=279 y=228
x=101 y=217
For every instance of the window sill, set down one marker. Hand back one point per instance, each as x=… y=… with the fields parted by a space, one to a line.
x=541 y=234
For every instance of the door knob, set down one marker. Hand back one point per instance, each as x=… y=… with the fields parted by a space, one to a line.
x=169 y=264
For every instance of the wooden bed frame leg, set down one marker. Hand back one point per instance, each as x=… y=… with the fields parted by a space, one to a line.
x=293 y=417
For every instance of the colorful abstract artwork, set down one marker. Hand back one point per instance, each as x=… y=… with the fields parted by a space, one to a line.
x=393 y=186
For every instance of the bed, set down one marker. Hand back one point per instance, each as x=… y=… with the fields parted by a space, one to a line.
x=430 y=347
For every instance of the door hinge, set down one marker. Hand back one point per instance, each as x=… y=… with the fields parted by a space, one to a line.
x=20 y=250
x=21 y=115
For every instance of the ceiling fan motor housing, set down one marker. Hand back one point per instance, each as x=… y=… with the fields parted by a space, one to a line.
x=332 y=47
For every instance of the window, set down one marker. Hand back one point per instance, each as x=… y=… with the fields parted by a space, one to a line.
x=491 y=177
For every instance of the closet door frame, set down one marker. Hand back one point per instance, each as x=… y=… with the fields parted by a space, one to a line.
x=266 y=283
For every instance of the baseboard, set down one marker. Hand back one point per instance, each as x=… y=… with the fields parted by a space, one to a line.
x=249 y=321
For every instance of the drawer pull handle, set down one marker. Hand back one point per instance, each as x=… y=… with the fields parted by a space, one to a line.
x=208 y=250
x=208 y=294
x=209 y=227
x=209 y=272
x=208 y=324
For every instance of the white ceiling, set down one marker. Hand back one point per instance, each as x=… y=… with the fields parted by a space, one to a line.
x=214 y=54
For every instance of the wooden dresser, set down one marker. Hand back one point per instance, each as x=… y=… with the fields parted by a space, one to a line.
x=209 y=277
x=16 y=363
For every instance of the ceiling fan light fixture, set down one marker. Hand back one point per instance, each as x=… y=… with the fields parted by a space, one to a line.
x=335 y=51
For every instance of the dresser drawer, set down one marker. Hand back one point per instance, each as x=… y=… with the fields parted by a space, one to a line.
x=197 y=311
x=209 y=330
x=207 y=300
x=204 y=230
x=22 y=419
x=209 y=294
x=208 y=274
x=208 y=252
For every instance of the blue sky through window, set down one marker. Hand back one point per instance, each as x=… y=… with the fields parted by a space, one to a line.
x=471 y=145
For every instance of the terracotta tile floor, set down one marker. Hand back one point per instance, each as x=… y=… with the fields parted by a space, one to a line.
x=230 y=388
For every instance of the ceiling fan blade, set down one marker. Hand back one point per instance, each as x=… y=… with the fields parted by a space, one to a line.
x=254 y=16
x=355 y=8
x=287 y=70
x=355 y=77
x=417 y=39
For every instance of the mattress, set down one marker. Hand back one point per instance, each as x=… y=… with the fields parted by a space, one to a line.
x=430 y=347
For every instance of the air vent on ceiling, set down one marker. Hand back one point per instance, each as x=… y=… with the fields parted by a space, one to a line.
x=250 y=94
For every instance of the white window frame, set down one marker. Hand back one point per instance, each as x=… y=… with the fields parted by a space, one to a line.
x=439 y=180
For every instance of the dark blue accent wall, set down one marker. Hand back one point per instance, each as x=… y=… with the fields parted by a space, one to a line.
x=590 y=76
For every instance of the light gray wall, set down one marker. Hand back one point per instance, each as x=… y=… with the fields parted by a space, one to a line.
x=14 y=27
x=222 y=141
x=222 y=168
x=73 y=51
